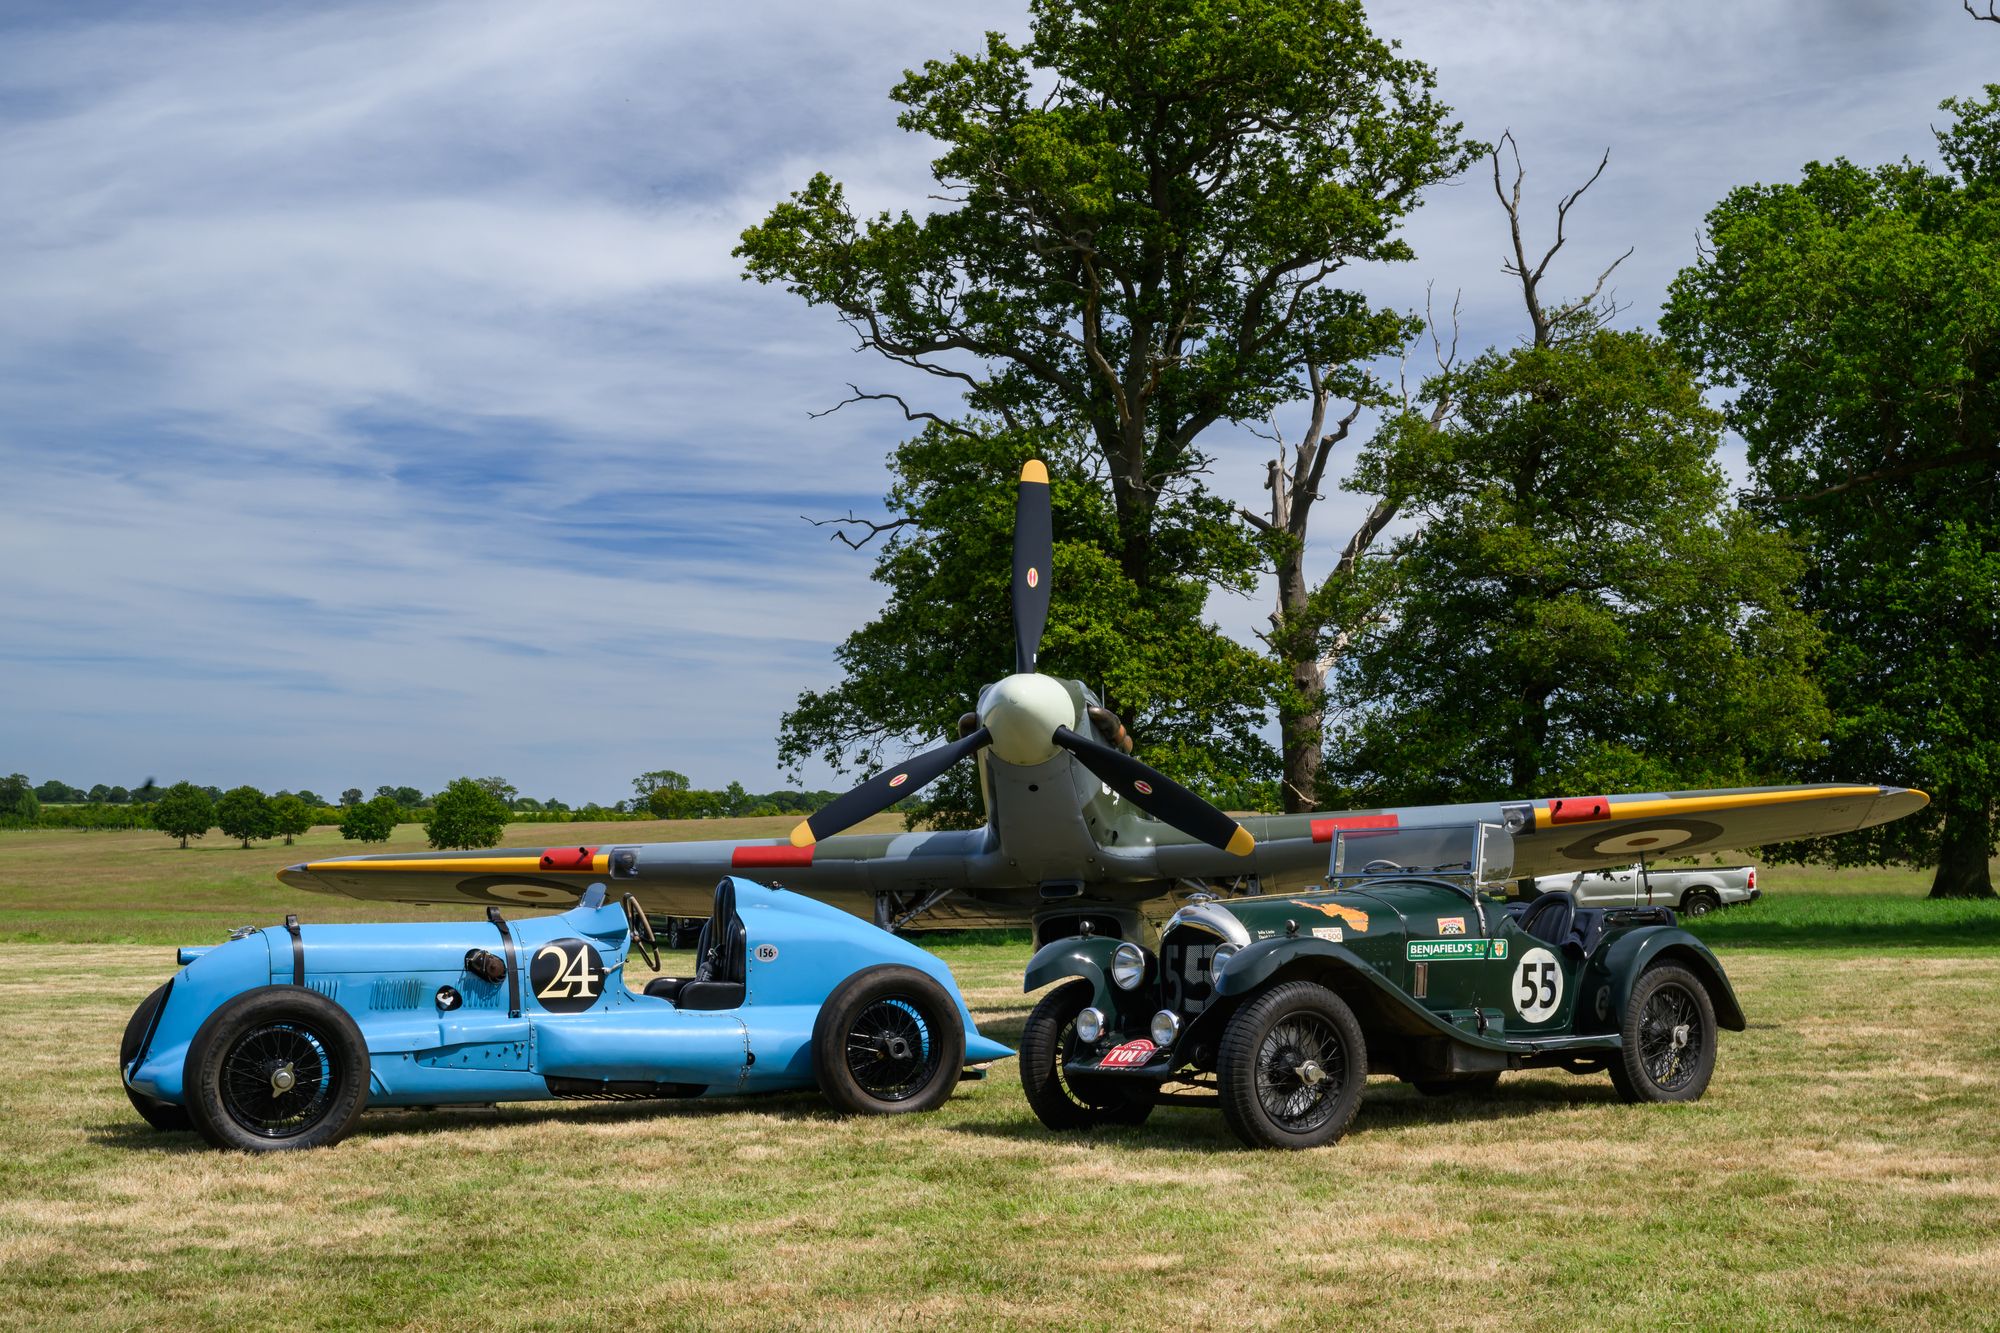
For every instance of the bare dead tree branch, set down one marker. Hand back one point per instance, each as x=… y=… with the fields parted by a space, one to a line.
x=1905 y=469
x=1548 y=324
x=1992 y=14
x=857 y=396
x=874 y=529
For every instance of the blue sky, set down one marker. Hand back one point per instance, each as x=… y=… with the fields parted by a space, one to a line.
x=379 y=402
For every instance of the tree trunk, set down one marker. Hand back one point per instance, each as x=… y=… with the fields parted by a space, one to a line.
x=1963 y=870
x=1299 y=720
x=184 y=844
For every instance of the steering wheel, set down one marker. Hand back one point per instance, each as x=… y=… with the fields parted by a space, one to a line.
x=641 y=930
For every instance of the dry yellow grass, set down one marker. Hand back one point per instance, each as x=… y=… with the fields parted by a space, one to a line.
x=1844 y=1170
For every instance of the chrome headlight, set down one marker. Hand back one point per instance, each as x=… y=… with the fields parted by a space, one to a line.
x=1128 y=966
x=1223 y=953
x=1090 y=1025
x=1166 y=1026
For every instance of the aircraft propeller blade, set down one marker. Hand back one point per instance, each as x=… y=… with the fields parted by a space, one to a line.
x=1034 y=553
x=1157 y=794
x=884 y=789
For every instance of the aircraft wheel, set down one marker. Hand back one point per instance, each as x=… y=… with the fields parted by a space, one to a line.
x=889 y=1040
x=1058 y=1100
x=277 y=1068
x=1669 y=1033
x=1292 y=1066
x=160 y=1115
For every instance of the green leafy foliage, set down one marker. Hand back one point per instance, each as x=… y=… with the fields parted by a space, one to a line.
x=184 y=811
x=468 y=814
x=1579 y=611
x=1856 y=316
x=372 y=820
x=245 y=813
x=290 y=817
x=19 y=806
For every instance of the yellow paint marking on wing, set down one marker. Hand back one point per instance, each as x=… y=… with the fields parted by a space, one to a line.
x=1241 y=843
x=802 y=834
x=1034 y=473
x=1694 y=805
x=477 y=865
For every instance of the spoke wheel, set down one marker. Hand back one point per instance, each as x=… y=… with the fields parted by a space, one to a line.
x=1292 y=1067
x=274 y=1068
x=1049 y=1042
x=890 y=1052
x=889 y=1040
x=1669 y=1036
x=278 y=1080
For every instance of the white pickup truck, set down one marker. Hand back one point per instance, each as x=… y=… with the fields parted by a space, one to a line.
x=1690 y=892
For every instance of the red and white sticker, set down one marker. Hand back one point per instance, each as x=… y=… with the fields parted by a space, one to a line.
x=1034 y=576
x=899 y=779
x=1132 y=1053
x=1143 y=787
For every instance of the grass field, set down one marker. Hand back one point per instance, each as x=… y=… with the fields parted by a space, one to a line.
x=1843 y=1171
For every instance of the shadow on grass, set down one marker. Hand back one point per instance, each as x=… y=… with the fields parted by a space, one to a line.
x=1383 y=1107
x=794 y=1106
x=1979 y=932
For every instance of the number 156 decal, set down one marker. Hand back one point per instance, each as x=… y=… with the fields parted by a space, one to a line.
x=1538 y=985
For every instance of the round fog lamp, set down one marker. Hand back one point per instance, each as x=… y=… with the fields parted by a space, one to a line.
x=1090 y=1025
x=1165 y=1027
x=1128 y=966
x=1223 y=953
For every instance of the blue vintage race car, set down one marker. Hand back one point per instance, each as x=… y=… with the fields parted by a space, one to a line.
x=280 y=1037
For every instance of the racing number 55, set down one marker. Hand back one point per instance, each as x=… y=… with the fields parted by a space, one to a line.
x=1538 y=985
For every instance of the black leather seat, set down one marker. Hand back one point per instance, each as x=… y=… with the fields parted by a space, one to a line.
x=721 y=961
x=1550 y=917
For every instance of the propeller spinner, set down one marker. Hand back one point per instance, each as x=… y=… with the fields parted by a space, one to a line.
x=1026 y=717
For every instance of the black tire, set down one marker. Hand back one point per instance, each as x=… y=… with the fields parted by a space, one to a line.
x=1669 y=1034
x=1266 y=1099
x=237 y=1057
x=1059 y=1101
x=1699 y=902
x=1446 y=1087
x=888 y=1041
x=160 y=1115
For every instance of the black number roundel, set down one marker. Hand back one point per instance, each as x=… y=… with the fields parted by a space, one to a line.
x=567 y=976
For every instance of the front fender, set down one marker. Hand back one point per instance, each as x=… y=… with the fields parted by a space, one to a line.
x=1620 y=965
x=1086 y=956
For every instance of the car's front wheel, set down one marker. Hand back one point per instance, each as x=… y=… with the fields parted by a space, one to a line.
x=1291 y=1068
x=275 y=1068
x=1059 y=1100
x=160 y=1115
x=1669 y=1038
x=888 y=1040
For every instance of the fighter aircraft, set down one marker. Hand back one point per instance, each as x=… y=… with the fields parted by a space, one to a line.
x=1078 y=830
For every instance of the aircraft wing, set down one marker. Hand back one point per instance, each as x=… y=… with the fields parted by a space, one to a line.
x=1569 y=833
x=669 y=878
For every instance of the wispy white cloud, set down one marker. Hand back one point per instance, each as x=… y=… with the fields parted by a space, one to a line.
x=379 y=402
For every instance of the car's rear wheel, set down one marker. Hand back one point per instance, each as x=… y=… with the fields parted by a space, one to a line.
x=276 y=1068
x=160 y=1115
x=1059 y=1099
x=1699 y=902
x=1291 y=1067
x=1669 y=1038
x=888 y=1040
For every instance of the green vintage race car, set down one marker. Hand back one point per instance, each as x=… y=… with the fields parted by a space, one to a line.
x=1405 y=964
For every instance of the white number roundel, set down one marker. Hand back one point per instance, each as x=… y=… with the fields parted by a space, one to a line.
x=1538 y=985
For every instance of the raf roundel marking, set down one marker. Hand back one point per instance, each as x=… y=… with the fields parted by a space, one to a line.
x=1537 y=991
x=1653 y=836
x=766 y=953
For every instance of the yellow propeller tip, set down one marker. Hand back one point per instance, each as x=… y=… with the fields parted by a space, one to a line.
x=1241 y=843
x=1033 y=471
x=802 y=836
